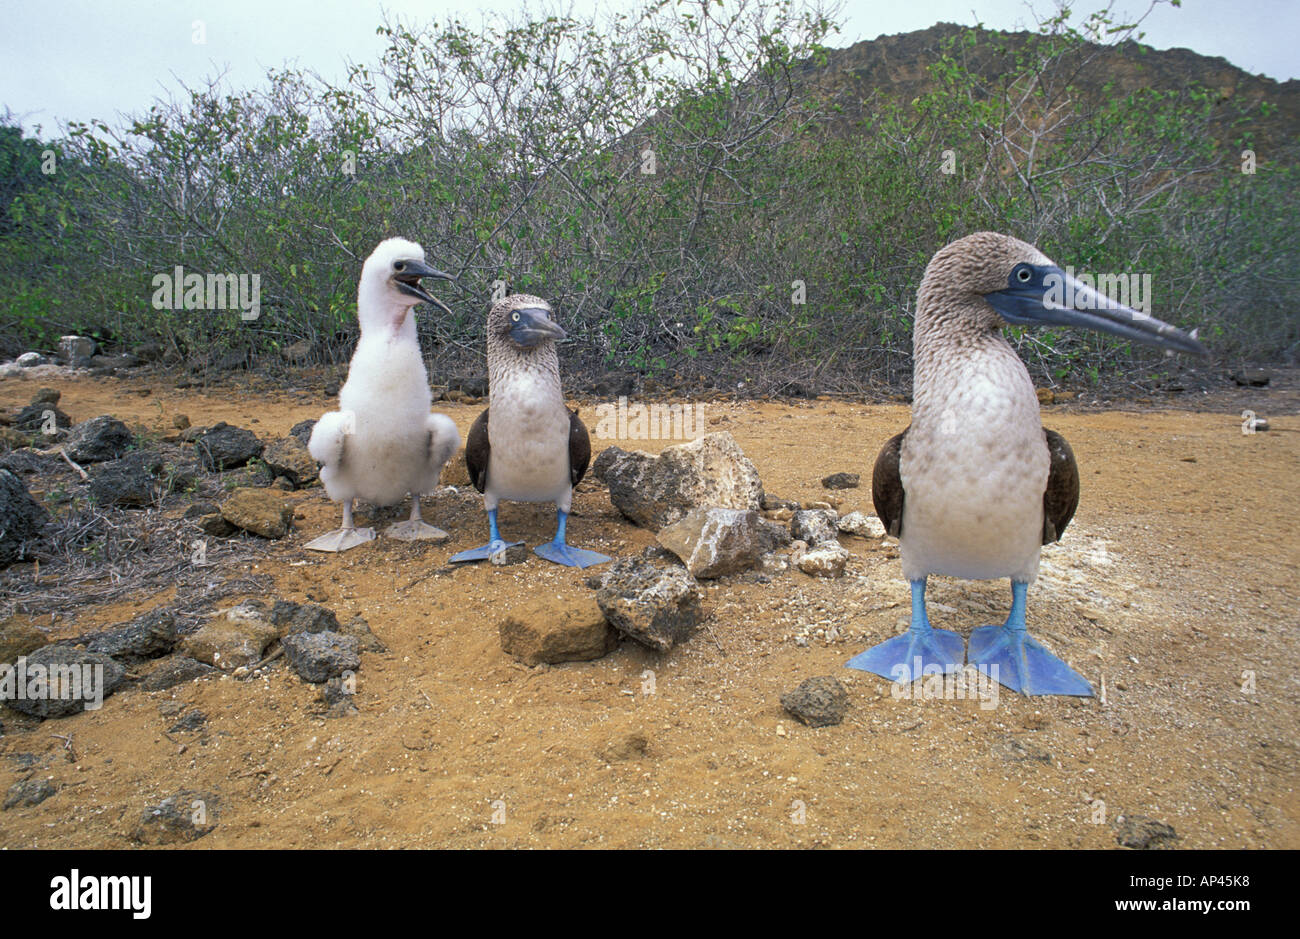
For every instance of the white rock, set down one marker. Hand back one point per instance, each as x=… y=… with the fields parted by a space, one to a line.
x=824 y=561
x=862 y=525
x=29 y=359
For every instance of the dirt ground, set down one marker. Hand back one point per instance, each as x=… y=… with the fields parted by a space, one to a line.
x=1175 y=585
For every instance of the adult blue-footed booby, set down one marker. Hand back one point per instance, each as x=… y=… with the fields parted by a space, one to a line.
x=533 y=448
x=975 y=486
x=383 y=443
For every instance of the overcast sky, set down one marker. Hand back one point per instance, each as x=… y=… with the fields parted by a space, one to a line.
x=79 y=59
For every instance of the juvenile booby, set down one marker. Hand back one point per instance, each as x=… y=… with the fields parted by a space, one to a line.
x=382 y=443
x=975 y=486
x=527 y=446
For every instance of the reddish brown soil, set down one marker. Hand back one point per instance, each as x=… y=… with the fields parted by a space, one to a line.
x=1177 y=577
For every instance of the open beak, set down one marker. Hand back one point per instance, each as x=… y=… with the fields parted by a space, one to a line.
x=408 y=281
x=1049 y=296
x=533 y=325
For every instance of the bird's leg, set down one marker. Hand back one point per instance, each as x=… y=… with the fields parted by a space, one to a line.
x=341 y=539
x=495 y=548
x=414 y=528
x=559 y=551
x=1009 y=655
x=922 y=650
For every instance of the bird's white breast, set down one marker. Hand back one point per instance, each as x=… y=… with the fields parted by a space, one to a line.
x=974 y=468
x=528 y=429
x=386 y=401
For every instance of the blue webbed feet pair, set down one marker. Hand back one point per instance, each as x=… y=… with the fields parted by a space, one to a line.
x=1008 y=653
x=557 y=550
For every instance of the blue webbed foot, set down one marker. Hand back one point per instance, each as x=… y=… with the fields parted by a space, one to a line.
x=1016 y=659
x=905 y=658
x=484 y=552
x=561 y=553
x=558 y=550
x=921 y=650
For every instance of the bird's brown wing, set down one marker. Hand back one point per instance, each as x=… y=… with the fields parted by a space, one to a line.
x=1062 y=495
x=478 y=450
x=579 y=448
x=887 y=485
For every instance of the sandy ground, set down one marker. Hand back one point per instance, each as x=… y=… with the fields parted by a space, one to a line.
x=1175 y=584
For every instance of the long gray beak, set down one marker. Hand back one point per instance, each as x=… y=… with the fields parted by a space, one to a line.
x=1042 y=294
x=408 y=281
x=531 y=326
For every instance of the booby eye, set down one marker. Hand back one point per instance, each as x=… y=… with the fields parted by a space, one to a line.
x=1024 y=274
x=515 y=316
x=399 y=265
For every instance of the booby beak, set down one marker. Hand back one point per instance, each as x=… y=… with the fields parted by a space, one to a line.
x=408 y=277
x=533 y=325
x=1043 y=294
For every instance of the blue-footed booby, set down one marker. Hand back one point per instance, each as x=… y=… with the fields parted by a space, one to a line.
x=382 y=443
x=975 y=486
x=527 y=446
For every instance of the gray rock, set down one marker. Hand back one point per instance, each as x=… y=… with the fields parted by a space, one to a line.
x=655 y=492
x=773 y=534
x=41 y=419
x=128 y=482
x=22 y=519
x=29 y=792
x=190 y=721
x=31 y=360
x=76 y=350
x=605 y=459
x=814 y=526
x=817 y=702
x=841 y=481
x=359 y=629
x=292 y=617
x=319 y=657
x=148 y=636
x=712 y=542
x=28 y=462
x=657 y=606
x=178 y=819
x=98 y=440
x=71 y=679
x=1143 y=833
x=772 y=503
x=174 y=670
x=222 y=447
x=289 y=457
x=301 y=431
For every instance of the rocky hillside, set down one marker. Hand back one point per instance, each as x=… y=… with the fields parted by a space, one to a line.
x=897 y=66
